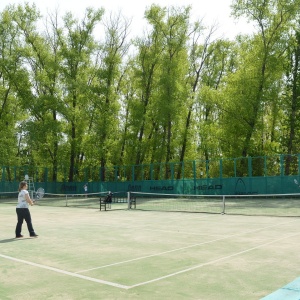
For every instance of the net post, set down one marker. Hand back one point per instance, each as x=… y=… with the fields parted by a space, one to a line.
x=128 y=200
x=223 y=212
x=66 y=200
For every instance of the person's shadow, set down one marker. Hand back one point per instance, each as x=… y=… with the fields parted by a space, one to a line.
x=12 y=240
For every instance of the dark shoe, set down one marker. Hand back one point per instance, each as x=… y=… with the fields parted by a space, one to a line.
x=34 y=235
x=19 y=236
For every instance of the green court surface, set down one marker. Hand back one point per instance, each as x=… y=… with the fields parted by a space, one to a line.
x=119 y=254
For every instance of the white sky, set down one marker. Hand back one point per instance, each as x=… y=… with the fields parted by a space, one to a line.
x=211 y=11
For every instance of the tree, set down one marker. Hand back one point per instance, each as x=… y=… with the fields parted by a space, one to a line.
x=169 y=107
x=255 y=81
x=106 y=92
x=41 y=55
x=77 y=45
x=290 y=101
x=14 y=84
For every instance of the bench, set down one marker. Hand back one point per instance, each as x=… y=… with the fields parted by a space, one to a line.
x=105 y=202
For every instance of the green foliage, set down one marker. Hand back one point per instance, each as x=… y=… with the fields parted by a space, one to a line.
x=70 y=101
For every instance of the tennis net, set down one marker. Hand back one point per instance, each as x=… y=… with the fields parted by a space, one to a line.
x=9 y=197
x=89 y=200
x=273 y=204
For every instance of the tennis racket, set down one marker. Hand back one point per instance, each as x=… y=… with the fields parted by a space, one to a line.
x=39 y=194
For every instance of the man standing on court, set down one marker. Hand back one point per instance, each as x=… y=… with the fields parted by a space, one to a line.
x=23 y=212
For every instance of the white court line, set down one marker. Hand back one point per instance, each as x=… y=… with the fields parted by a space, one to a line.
x=210 y=262
x=145 y=282
x=65 y=272
x=159 y=278
x=183 y=248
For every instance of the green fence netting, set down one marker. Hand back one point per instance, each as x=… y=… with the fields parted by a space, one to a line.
x=226 y=176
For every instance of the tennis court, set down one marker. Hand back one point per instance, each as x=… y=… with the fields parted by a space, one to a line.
x=135 y=254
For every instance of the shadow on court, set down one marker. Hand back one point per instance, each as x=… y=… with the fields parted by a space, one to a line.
x=13 y=240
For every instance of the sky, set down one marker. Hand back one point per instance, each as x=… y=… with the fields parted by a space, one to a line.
x=211 y=11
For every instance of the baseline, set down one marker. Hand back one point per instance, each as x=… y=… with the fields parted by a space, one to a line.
x=65 y=272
